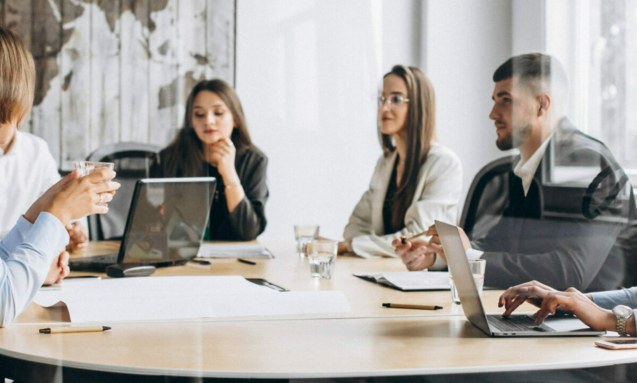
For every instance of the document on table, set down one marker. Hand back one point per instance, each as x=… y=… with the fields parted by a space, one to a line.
x=251 y=250
x=167 y=298
x=410 y=280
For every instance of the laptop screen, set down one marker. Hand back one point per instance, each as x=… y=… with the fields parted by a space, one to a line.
x=462 y=277
x=167 y=220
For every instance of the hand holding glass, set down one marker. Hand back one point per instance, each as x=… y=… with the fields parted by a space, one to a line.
x=86 y=167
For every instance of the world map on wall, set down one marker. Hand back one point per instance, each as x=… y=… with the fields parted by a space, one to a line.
x=109 y=71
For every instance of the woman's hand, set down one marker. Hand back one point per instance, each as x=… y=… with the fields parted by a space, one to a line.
x=77 y=235
x=221 y=154
x=550 y=301
x=533 y=292
x=59 y=269
x=74 y=197
x=344 y=247
x=435 y=245
x=415 y=254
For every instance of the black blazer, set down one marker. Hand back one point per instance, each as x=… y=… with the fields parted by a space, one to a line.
x=247 y=220
x=562 y=233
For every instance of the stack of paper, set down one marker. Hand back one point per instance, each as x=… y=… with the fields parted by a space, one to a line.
x=165 y=298
x=213 y=250
x=410 y=280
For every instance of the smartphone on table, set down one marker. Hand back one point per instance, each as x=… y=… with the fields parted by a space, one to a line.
x=620 y=344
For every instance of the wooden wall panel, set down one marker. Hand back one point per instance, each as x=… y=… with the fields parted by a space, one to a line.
x=134 y=73
x=76 y=89
x=164 y=70
x=104 y=73
x=220 y=40
x=118 y=70
x=46 y=46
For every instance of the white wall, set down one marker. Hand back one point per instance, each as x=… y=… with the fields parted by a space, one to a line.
x=466 y=42
x=308 y=74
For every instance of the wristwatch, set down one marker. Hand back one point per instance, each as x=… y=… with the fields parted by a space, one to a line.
x=622 y=313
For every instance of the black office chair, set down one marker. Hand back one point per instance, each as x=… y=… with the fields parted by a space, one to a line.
x=132 y=162
x=477 y=218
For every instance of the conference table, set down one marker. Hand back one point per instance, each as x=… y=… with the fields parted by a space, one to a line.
x=368 y=341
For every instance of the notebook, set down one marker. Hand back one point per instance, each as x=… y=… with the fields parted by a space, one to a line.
x=410 y=280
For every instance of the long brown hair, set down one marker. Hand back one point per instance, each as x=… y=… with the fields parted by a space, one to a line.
x=420 y=126
x=17 y=78
x=185 y=154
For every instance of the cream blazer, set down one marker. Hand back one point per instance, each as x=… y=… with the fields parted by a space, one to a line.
x=436 y=198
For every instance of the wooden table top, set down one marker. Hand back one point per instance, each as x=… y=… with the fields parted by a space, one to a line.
x=368 y=341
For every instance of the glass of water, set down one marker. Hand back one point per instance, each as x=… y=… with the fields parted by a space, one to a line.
x=322 y=258
x=305 y=234
x=477 y=268
x=86 y=167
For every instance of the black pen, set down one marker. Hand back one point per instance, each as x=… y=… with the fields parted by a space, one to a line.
x=246 y=261
x=200 y=261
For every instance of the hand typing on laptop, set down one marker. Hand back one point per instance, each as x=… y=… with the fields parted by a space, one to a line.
x=551 y=301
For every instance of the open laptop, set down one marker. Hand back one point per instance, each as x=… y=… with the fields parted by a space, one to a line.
x=517 y=325
x=165 y=225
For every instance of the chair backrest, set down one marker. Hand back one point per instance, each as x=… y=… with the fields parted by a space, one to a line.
x=132 y=162
x=475 y=202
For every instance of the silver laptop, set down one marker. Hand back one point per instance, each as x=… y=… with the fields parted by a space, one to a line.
x=516 y=325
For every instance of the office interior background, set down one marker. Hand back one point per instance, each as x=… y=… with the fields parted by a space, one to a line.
x=308 y=74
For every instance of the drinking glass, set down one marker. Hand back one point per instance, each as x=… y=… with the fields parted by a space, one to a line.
x=322 y=258
x=304 y=234
x=477 y=268
x=86 y=167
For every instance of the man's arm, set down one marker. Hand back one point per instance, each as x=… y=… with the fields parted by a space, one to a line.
x=25 y=269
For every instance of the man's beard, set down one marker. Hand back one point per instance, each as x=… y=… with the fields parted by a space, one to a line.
x=515 y=139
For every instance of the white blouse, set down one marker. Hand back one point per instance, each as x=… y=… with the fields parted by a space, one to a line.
x=436 y=198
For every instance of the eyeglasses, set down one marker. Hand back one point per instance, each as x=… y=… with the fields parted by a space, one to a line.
x=394 y=101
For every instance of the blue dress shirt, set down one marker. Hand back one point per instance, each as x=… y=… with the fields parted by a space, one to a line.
x=610 y=299
x=26 y=254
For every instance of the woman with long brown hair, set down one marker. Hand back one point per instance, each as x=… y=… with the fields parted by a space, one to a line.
x=214 y=142
x=416 y=180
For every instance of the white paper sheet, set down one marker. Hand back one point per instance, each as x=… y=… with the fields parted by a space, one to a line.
x=411 y=280
x=167 y=298
x=213 y=250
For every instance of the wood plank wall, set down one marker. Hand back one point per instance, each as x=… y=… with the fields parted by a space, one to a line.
x=118 y=70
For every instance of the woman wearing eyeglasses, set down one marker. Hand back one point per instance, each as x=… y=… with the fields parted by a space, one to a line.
x=416 y=180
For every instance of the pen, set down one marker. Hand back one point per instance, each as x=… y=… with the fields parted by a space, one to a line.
x=64 y=330
x=404 y=240
x=417 y=307
x=246 y=261
x=200 y=261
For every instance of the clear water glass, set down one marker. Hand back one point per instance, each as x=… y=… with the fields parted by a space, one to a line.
x=477 y=268
x=322 y=258
x=305 y=234
x=86 y=167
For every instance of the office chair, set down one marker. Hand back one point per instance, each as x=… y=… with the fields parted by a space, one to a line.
x=132 y=162
x=477 y=206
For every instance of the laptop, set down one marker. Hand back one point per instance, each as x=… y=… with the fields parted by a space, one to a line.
x=166 y=223
x=517 y=325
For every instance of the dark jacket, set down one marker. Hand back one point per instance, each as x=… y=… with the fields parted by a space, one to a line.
x=563 y=233
x=247 y=220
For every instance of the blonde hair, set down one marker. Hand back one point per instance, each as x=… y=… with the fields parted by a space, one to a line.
x=17 y=79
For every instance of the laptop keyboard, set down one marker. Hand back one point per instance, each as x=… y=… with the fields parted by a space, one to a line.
x=94 y=263
x=516 y=323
